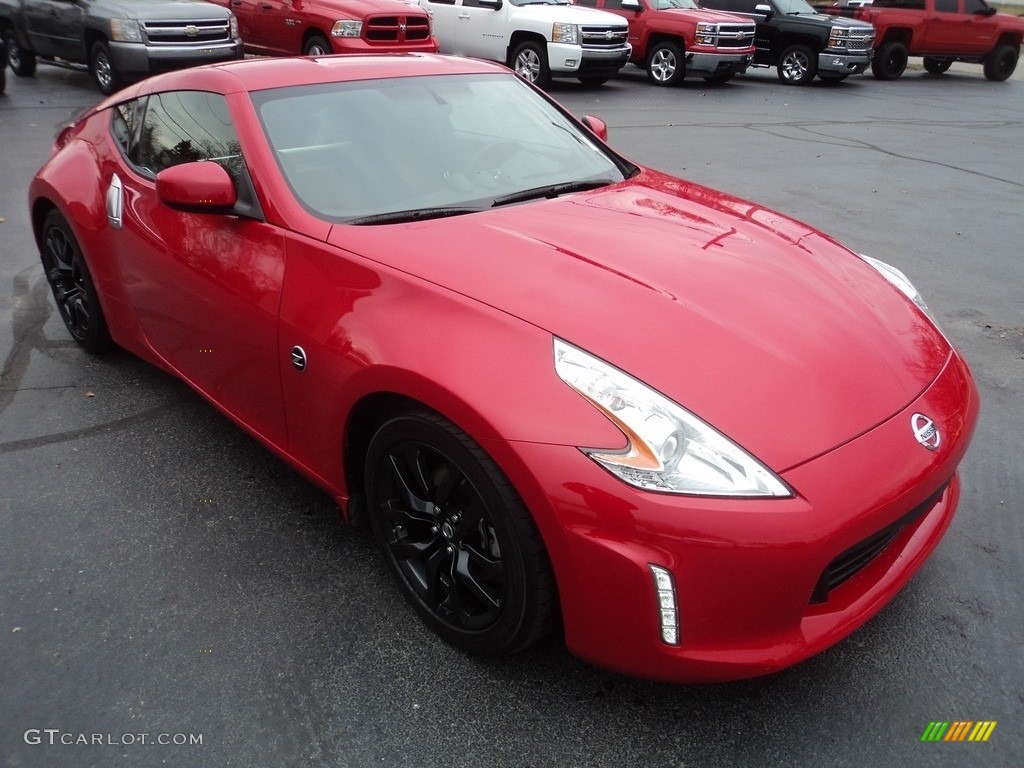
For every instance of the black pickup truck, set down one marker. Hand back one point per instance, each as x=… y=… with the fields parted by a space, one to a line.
x=801 y=42
x=118 y=40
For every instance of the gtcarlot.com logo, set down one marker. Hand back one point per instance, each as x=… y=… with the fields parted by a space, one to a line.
x=958 y=730
x=57 y=737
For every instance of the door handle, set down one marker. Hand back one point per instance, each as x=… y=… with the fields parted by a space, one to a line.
x=115 y=198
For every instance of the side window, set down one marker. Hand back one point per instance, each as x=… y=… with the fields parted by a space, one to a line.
x=441 y=2
x=185 y=126
x=974 y=6
x=946 y=6
x=587 y=3
x=124 y=126
x=615 y=5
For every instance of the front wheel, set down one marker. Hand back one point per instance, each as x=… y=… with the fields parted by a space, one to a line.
x=71 y=283
x=999 y=64
x=464 y=549
x=934 y=65
x=103 y=70
x=23 y=63
x=317 y=45
x=665 y=65
x=798 y=65
x=890 y=60
x=530 y=62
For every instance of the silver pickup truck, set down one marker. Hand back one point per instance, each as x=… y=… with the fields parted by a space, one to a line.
x=118 y=40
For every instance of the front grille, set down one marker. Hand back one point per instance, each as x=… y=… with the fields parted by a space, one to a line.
x=736 y=35
x=860 y=40
x=603 y=38
x=187 y=32
x=848 y=564
x=396 y=29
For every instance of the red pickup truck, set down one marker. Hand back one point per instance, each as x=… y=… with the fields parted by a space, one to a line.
x=674 y=38
x=319 y=27
x=942 y=31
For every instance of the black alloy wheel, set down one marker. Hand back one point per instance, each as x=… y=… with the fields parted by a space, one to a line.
x=72 y=286
x=457 y=537
x=999 y=64
x=934 y=65
x=890 y=60
x=23 y=63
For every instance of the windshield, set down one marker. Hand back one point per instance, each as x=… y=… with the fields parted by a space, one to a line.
x=540 y=2
x=793 y=6
x=423 y=147
x=664 y=5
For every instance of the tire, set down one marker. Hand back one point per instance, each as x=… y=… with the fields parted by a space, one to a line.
x=999 y=64
x=890 y=60
x=72 y=286
x=101 y=65
x=593 y=82
x=719 y=79
x=934 y=65
x=832 y=77
x=665 y=64
x=317 y=45
x=455 y=534
x=798 y=65
x=530 y=62
x=23 y=63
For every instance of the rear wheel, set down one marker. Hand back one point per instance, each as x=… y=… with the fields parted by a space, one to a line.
x=72 y=286
x=317 y=45
x=464 y=549
x=798 y=65
x=23 y=63
x=935 y=65
x=530 y=62
x=999 y=64
x=665 y=65
x=102 y=67
x=890 y=60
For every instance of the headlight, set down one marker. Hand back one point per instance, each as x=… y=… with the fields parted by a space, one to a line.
x=707 y=34
x=125 y=30
x=838 y=37
x=565 y=33
x=668 y=448
x=233 y=22
x=347 y=28
x=901 y=281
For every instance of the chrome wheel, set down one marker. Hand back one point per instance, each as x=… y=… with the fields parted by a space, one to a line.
x=317 y=46
x=527 y=65
x=797 y=65
x=665 y=64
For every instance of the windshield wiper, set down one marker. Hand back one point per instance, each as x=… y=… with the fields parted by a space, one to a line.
x=414 y=214
x=551 y=191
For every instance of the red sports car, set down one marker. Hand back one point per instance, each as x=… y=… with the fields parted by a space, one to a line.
x=704 y=439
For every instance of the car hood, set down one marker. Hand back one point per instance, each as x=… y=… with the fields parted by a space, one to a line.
x=568 y=14
x=363 y=9
x=772 y=332
x=170 y=10
x=706 y=14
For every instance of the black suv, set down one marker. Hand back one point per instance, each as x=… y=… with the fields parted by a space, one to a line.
x=802 y=43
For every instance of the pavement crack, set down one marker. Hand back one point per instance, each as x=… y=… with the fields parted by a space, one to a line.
x=78 y=434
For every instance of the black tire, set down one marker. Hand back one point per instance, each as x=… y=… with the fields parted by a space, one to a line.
x=593 y=82
x=719 y=79
x=832 y=77
x=890 y=60
x=665 y=64
x=464 y=549
x=23 y=63
x=530 y=62
x=798 y=65
x=71 y=282
x=999 y=64
x=317 y=45
x=101 y=65
x=934 y=65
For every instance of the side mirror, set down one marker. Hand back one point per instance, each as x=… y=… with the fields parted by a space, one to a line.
x=631 y=5
x=202 y=187
x=763 y=8
x=494 y=5
x=989 y=11
x=597 y=126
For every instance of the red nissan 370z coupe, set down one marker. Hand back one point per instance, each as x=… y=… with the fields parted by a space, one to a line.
x=706 y=440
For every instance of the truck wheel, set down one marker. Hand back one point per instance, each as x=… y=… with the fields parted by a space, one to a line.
x=102 y=68
x=23 y=63
x=317 y=45
x=936 y=66
x=798 y=65
x=530 y=62
x=1000 y=64
x=665 y=65
x=890 y=60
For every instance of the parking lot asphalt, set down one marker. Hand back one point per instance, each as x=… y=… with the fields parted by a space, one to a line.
x=162 y=574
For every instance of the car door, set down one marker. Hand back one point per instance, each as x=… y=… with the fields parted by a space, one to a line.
x=981 y=29
x=945 y=28
x=442 y=14
x=480 y=29
x=250 y=23
x=55 y=28
x=205 y=287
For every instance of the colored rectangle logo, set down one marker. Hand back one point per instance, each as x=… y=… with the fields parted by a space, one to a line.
x=958 y=730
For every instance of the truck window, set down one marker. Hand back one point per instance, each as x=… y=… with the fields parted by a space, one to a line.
x=912 y=5
x=975 y=6
x=946 y=6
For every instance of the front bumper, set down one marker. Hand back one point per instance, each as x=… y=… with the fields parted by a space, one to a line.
x=717 y=63
x=135 y=59
x=572 y=60
x=747 y=572
x=844 y=63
